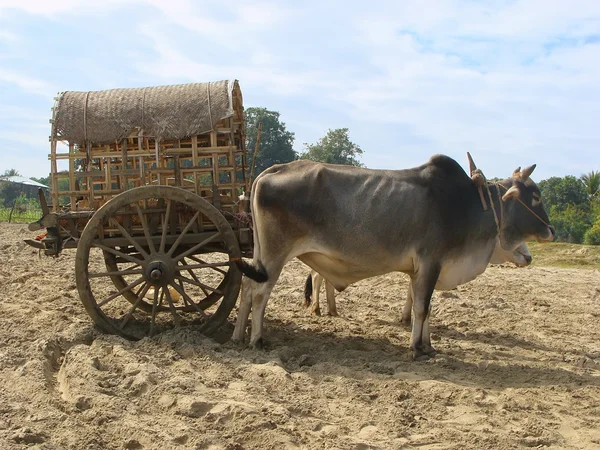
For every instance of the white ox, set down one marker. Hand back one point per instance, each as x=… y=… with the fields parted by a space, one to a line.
x=519 y=257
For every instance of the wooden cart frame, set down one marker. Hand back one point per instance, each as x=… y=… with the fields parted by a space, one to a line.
x=153 y=202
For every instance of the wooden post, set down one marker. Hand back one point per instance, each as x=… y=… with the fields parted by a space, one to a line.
x=124 y=180
x=72 y=177
x=232 y=163
x=255 y=154
x=11 y=210
x=195 y=163
x=54 y=175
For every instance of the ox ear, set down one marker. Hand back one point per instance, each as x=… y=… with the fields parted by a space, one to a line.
x=512 y=192
x=517 y=172
x=526 y=173
x=472 y=166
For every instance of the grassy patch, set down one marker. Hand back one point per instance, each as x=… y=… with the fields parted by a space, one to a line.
x=559 y=254
x=20 y=216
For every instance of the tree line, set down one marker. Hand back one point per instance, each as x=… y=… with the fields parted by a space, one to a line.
x=572 y=203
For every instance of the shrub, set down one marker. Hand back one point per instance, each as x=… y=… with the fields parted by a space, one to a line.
x=592 y=236
x=570 y=223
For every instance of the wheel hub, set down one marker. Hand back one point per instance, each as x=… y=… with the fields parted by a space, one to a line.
x=159 y=272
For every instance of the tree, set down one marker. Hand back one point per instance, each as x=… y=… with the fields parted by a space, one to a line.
x=559 y=192
x=44 y=180
x=591 y=181
x=11 y=173
x=570 y=223
x=276 y=143
x=335 y=148
x=592 y=236
x=10 y=191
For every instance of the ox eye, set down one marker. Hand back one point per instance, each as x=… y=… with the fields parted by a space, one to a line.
x=536 y=198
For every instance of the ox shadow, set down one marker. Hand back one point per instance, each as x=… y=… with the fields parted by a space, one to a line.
x=321 y=353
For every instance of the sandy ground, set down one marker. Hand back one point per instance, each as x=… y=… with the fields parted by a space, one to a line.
x=519 y=366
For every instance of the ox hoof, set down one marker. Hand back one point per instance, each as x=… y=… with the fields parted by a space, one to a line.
x=316 y=312
x=405 y=323
x=259 y=344
x=333 y=314
x=237 y=342
x=424 y=354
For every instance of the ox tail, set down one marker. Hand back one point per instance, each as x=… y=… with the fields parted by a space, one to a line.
x=258 y=274
x=308 y=291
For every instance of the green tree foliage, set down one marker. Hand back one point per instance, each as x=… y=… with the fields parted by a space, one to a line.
x=573 y=206
x=335 y=148
x=570 y=223
x=276 y=143
x=9 y=192
x=591 y=181
x=592 y=235
x=560 y=192
x=11 y=173
x=44 y=180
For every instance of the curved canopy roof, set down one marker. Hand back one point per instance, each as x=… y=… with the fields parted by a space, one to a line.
x=163 y=112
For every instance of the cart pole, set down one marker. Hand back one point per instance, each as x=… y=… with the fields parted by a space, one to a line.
x=255 y=154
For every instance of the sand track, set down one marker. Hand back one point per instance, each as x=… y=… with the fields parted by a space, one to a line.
x=519 y=366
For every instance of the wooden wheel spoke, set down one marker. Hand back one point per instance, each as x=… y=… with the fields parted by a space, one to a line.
x=140 y=296
x=116 y=252
x=187 y=298
x=199 y=284
x=163 y=237
x=127 y=236
x=145 y=227
x=127 y=288
x=204 y=266
x=199 y=261
x=154 y=307
x=193 y=275
x=176 y=317
x=197 y=247
x=182 y=234
x=115 y=273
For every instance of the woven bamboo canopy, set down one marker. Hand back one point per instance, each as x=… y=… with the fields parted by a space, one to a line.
x=162 y=112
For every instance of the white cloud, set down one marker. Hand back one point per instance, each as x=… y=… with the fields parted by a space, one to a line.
x=26 y=83
x=55 y=8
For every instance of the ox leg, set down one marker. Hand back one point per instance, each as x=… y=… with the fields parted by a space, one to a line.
x=260 y=297
x=408 y=305
x=317 y=281
x=330 y=291
x=244 y=310
x=423 y=284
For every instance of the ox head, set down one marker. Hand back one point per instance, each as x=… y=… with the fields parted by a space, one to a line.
x=523 y=216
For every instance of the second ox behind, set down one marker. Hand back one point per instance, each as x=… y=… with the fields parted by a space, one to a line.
x=520 y=257
x=349 y=224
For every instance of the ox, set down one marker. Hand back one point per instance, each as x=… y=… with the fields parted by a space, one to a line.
x=349 y=224
x=520 y=257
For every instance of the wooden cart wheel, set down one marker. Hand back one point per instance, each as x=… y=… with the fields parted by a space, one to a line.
x=167 y=252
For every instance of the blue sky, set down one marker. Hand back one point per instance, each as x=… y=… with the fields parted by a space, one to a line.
x=513 y=82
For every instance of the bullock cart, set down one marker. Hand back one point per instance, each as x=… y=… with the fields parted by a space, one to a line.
x=150 y=199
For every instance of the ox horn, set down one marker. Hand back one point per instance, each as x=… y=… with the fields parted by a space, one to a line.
x=526 y=173
x=512 y=192
x=472 y=166
x=517 y=172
